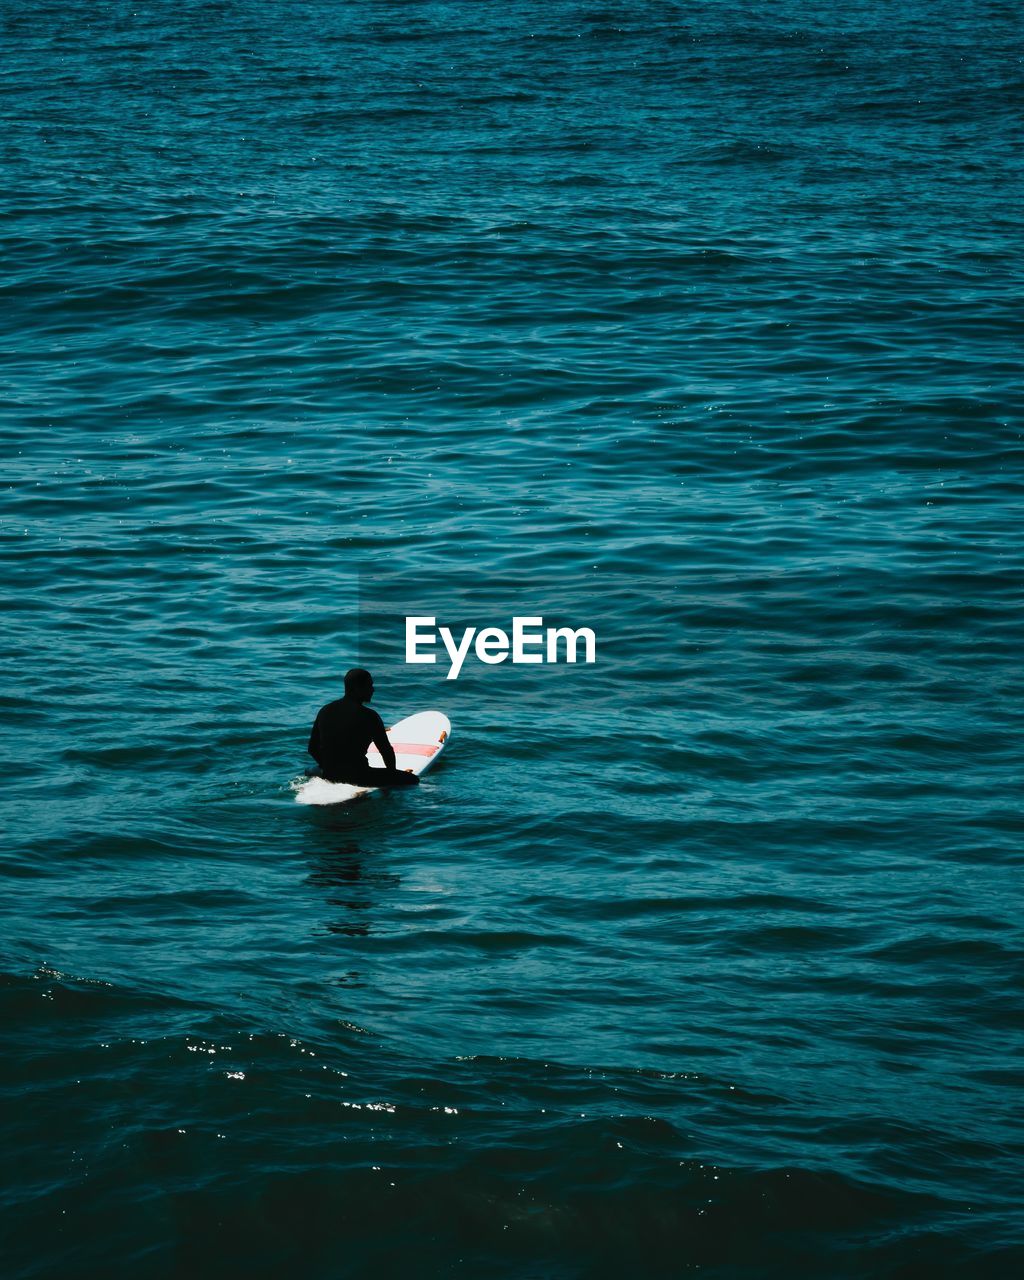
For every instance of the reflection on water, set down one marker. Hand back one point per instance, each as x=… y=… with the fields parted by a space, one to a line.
x=352 y=886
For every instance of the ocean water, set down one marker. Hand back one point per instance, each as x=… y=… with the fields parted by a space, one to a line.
x=697 y=324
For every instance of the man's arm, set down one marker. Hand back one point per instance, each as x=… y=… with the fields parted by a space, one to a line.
x=314 y=741
x=380 y=741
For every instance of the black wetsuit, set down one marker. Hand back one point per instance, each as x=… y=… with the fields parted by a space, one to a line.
x=342 y=732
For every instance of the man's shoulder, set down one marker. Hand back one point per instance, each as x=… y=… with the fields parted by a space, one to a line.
x=345 y=707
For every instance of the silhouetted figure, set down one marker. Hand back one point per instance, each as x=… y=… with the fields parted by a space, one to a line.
x=342 y=732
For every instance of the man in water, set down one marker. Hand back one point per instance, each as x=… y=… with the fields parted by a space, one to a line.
x=342 y=732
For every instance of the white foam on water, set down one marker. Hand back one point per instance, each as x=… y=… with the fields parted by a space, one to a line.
x=320 y=791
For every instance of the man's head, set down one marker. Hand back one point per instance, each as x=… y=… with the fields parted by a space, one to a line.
x=358 y=684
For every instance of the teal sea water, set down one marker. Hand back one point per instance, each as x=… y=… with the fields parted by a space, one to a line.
x=698 y=324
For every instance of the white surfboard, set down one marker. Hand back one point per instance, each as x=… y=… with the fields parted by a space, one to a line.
x=418 y=742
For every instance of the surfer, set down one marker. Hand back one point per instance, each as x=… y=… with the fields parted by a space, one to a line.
x=342 y=732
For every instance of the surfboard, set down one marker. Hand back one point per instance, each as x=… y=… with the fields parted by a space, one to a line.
x=418 y=741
